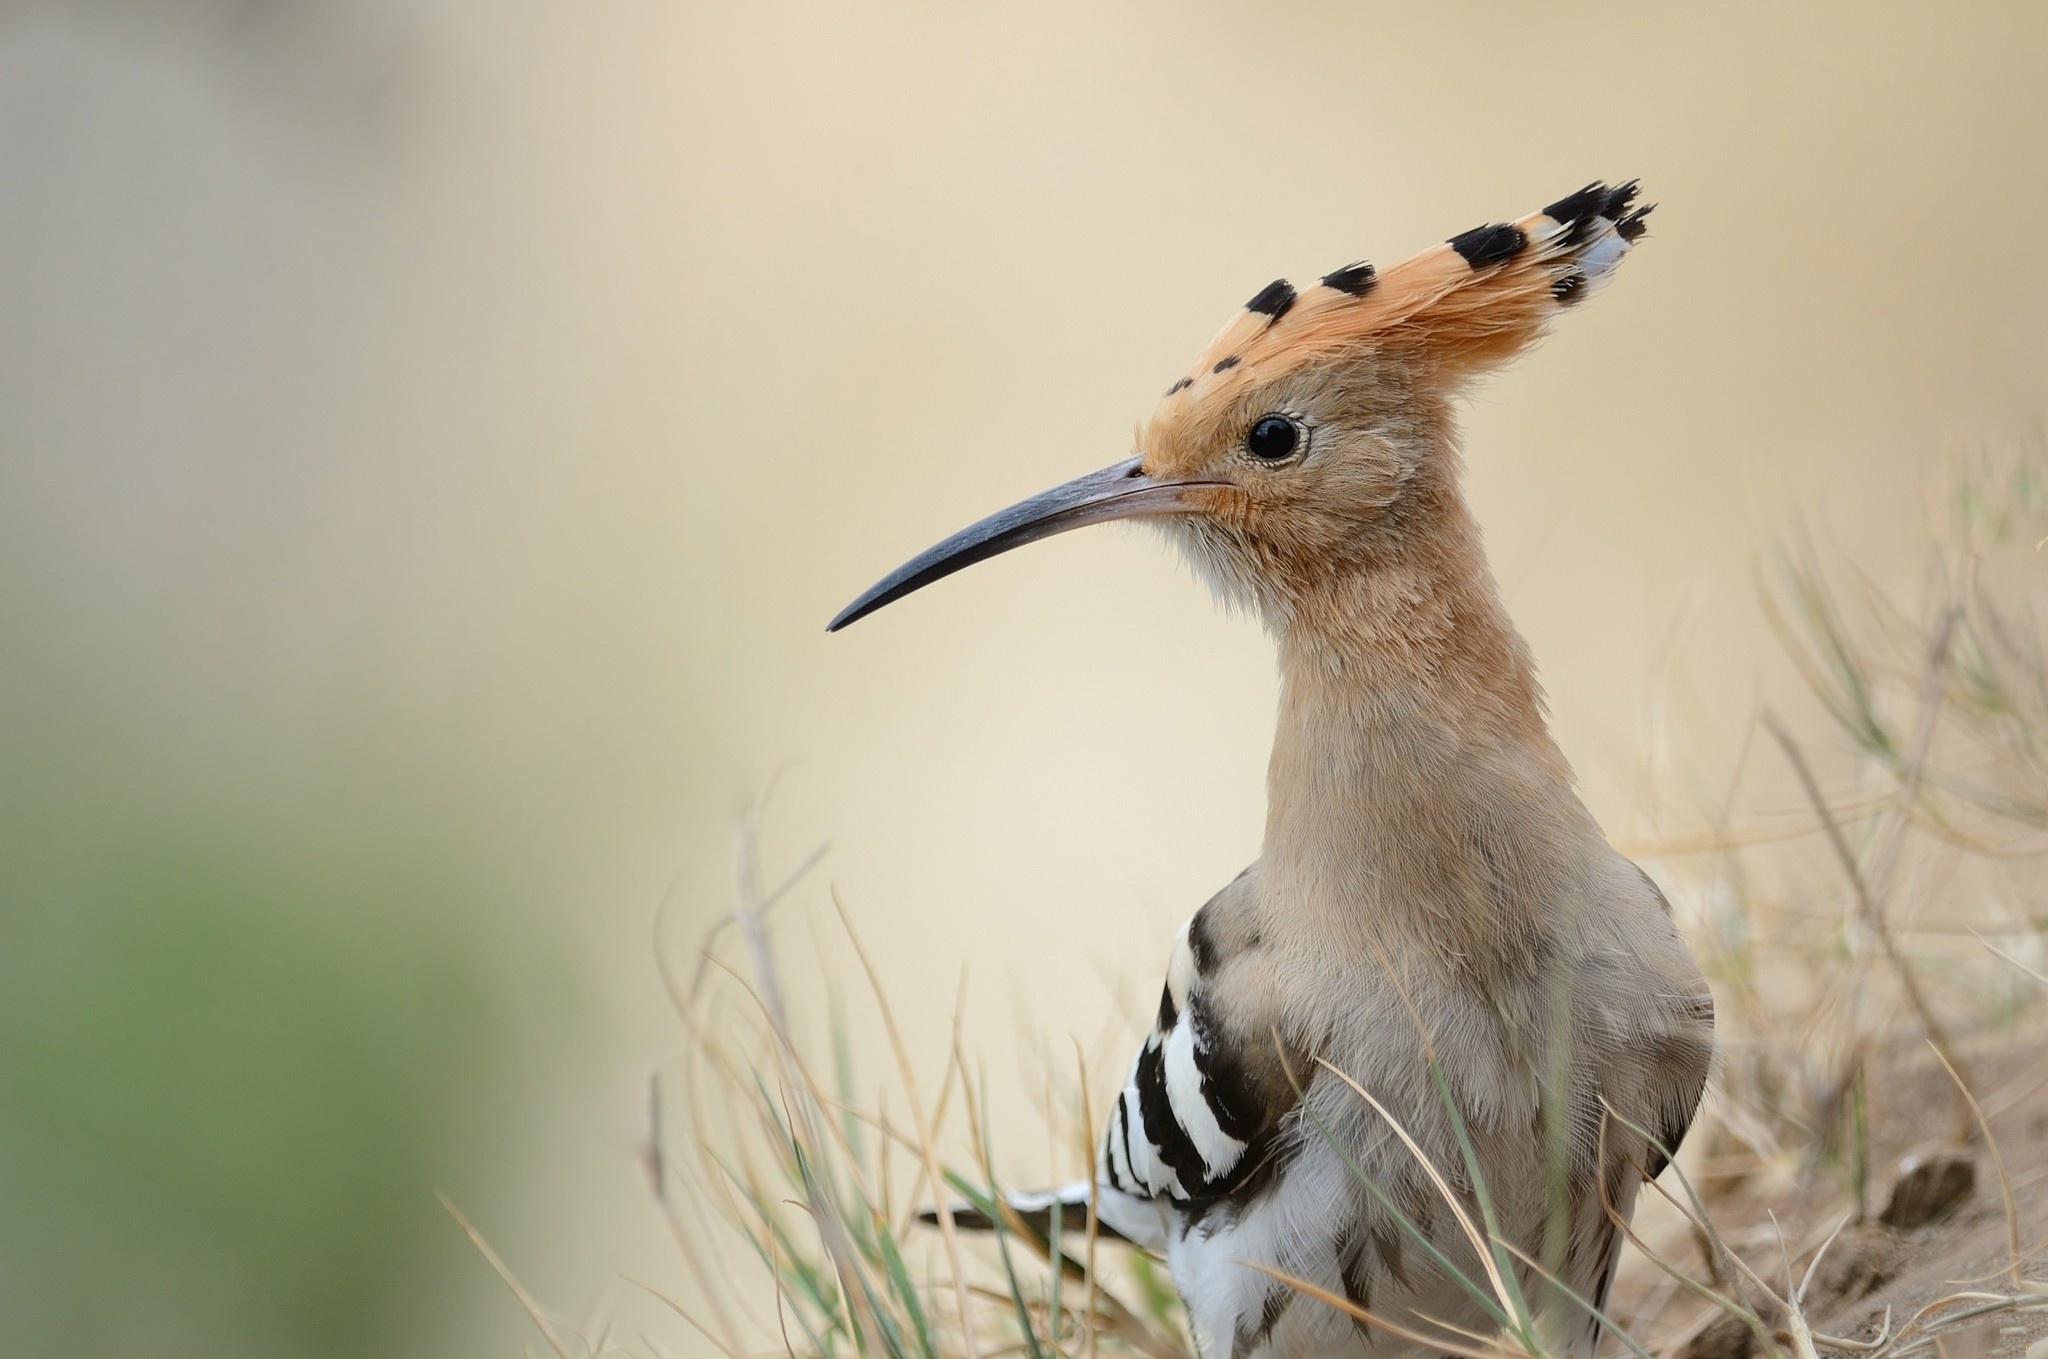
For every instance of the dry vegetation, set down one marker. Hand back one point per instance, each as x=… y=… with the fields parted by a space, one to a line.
x=1870 y=1172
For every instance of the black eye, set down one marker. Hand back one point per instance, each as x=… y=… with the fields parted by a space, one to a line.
x=1272 y=437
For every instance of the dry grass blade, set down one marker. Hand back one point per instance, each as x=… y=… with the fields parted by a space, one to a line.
x=1919 y=1333
x=1452 y=1341
x=1479 y=1242
x=684 y=1312
x=683 y=997
x=800 y=1111
x=1094 y=1196
x=1577 y=1299
x=1867 y=905
x=926 y=1133
x=526 y=1300
x=2031 y=972
x=2012 y=1207
x=1720 y=1299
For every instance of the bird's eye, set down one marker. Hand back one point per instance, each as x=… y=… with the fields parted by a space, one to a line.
x=1272 y=438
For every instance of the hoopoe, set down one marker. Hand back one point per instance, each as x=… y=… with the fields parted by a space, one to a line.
x=1438 y=983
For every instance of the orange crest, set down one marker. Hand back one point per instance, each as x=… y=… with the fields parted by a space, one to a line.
x=1452 y=311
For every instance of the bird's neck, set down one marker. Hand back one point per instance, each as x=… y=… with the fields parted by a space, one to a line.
x=1413 y=778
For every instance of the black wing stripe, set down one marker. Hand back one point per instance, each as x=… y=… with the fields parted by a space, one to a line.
x=1121 y=1132
x=1123 y=1112
x=1161 y=1128
x=1225 y=1088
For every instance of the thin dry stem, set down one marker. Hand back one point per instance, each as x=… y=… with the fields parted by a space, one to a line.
x=927 y=1134
x=1094 y=1196
x=684 y=1312
x=2012 y=1207
x=526 y=1300
x=1473 y=1235
x=803 y=1123
x=1483 y=1347
x=1867 y=905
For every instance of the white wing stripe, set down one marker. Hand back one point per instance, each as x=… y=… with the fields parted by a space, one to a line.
x=1145 y=1167
x=1191 y=1106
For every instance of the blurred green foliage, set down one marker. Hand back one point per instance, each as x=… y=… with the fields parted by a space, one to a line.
x=234 y=1066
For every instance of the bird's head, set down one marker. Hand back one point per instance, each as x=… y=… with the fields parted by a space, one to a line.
x=1286 y=455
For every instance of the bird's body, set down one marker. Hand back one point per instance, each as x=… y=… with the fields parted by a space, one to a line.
x=1439 y=998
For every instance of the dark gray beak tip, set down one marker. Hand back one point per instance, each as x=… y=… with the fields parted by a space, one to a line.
x=1120 y=491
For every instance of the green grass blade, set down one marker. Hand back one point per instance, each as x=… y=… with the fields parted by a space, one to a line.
x=1155 y=1294
x=1002 y=1234
x=905 y=1290
x=1523 y=1325
x=1052 y=1242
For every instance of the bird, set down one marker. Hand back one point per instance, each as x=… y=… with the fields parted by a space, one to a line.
x=1420 y=1056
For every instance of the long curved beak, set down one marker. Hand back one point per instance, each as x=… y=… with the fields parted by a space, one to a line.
x=1119 y=491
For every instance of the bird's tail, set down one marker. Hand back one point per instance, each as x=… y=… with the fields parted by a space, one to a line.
x=1032 y=1213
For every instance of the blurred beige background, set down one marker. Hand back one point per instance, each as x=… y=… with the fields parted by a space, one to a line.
x=434 y=434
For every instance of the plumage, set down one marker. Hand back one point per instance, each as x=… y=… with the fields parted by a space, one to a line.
x=1438 y=973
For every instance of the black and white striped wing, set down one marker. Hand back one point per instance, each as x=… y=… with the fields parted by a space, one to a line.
x=1197 y=1125
x=1196 y=1119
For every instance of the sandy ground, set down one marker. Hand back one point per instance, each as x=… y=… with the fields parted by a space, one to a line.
x=1937 y=1220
